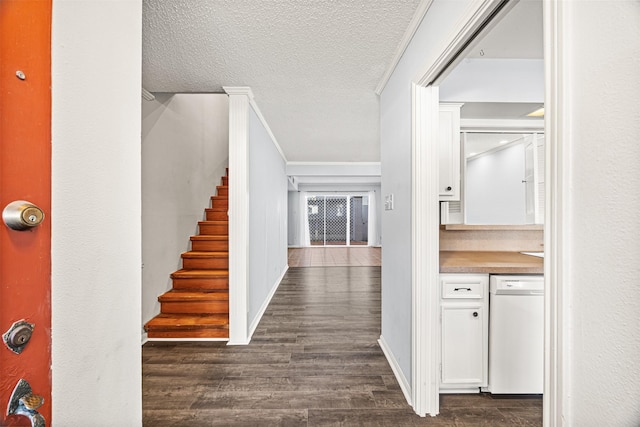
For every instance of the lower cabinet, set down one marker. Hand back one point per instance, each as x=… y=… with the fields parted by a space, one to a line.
x=464 y=318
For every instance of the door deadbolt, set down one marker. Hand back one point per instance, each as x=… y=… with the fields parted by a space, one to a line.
x=22 y=215
x=18 y=335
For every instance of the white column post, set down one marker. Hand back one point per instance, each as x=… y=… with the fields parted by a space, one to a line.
x=425 y=260
x=239 y=104
x=557 y=208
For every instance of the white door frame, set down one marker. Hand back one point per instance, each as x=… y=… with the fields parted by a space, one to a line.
x=425 y=215
x=557 y=73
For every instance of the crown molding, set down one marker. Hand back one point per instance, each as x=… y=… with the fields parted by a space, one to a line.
x=238 y=90
x=148 y=96
x=245 y=90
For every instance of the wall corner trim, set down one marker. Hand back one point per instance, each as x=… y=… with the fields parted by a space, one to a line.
x=395 y=367
x=417 y=18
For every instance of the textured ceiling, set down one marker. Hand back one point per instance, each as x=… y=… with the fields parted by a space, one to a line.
x=313 y=65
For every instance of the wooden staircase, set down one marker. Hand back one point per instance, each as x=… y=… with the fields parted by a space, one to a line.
x=198 y=304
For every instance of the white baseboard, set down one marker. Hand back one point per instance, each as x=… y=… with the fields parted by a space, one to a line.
x=267 y=301
x=402 y=380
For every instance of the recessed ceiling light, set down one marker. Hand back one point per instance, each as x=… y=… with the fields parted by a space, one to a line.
x=472 y=154
x=504 y=141
x=538 y=113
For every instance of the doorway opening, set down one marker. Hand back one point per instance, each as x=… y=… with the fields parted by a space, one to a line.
x=472 y=64
x=337 y=220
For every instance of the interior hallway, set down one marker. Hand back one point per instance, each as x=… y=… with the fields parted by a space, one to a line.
x=314 y=360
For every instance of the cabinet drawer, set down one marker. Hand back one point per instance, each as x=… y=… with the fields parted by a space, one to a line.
x=473 y=290
x=464 y=286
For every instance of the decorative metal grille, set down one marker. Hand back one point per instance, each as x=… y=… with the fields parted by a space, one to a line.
x=336 y=220
x=353 y=205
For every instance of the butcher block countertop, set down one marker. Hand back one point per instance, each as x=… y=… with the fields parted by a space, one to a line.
x=490 y=262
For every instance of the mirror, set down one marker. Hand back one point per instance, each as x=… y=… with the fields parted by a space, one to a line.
x=503 y=176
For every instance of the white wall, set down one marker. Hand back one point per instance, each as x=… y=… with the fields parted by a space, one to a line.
x=267 y=219
x=494 y=192
x=96 y=235
x=603 y=301
x=495 y=80
x=293 y=219
x=395 y=140
x=185 y=150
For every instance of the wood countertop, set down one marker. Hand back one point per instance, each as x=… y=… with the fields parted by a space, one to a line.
x=490 y=262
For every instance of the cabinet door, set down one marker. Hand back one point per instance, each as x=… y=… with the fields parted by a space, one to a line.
x=449 y=173
x=463 y=345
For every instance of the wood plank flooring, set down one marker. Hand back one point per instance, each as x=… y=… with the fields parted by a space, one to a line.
x=335 y=257
x=313 y=361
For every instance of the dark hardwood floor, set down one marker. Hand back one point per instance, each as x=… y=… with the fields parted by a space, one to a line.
x=313 y=361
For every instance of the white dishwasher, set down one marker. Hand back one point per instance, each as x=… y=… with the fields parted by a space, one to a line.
x=516 y=334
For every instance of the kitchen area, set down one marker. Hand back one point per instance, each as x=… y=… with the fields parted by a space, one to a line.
x=491 y=273
x=491 y=194
x=491 y=240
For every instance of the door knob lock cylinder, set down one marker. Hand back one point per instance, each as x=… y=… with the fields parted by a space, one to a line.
x=22 y=215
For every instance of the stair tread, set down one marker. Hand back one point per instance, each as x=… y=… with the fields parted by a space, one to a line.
x=197 y=305
x=176 y=295
x=190 y=321
x=205 y=254
x=210 y=237
x=212 y=332
x=185 y=273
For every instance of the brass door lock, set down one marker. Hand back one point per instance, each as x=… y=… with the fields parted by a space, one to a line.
x=22 y=215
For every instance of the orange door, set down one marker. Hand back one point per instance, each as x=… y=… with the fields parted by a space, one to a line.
x=25 y=174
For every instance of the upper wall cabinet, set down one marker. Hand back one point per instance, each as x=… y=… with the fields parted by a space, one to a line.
x=449 y=177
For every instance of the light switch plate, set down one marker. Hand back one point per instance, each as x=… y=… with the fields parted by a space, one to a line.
x=388 y=202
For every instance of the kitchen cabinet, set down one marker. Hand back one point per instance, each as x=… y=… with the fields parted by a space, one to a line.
x=449 y=149
x=464 y=318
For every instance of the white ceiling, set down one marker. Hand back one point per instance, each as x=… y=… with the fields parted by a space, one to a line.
x=312 y=65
